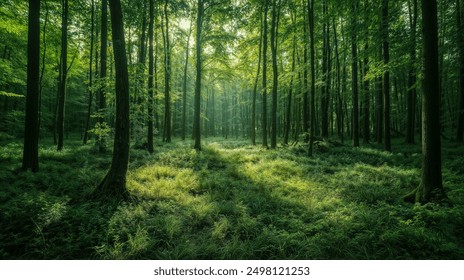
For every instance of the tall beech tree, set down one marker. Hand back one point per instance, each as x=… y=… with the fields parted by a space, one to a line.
x=31 y=128
x=114 y=183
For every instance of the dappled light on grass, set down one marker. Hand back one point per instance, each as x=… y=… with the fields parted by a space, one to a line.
x=230 y=201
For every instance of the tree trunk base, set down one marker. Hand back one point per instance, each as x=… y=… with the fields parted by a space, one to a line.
x=111 y=188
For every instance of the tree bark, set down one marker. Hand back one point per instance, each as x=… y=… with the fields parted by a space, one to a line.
x=275 y=76
x=103 y=63
x=150 y=76
x=313 y=78
x=63 y=73
x=255 y=87
x=410 y=125
x=31 y=127
x=264 y=103
x=184 y=85
x=460 y=128
x=89 y=88
x=354 y=66
x=114 y=184
x=197 y=99
x=386 y=76
x=431 y=187
x=167 y=77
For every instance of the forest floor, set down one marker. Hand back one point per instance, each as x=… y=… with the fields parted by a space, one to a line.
x=231 y=201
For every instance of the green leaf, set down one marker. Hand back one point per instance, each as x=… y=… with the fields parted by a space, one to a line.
x=10 y=94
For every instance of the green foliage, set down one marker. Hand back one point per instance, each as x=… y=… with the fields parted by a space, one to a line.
x=231 y=201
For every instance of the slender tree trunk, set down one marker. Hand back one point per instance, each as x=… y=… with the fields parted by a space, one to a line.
x=354 y=66
x=264 y=103
x=103 y=63
x=90 y=89
x=255 y=87
x=63 y=74
x=114 y=184
x=410 y=125
x=305 y=75
x=313 y=78
x=167 y=78
x=290 y=92
x=460 y=129
x=366 y=103
x=325 y=74
x=184 y=85
x=31 y=127
x=275 y=80
x=150 y=76
x=386 y=75
x=44 y=56
x=197 y=99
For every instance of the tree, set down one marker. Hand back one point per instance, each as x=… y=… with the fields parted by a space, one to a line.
x=255 y=87
x=89 y=88
x=197 y=98
x=103 y=62
x=412 y=75
x=63 y=76
x=460 y=129
x=313 y=78
x=150 y=76
x=431 y=186
x=264 y=102
x=31 y=128
x=354 y=79
x=275 y=79
x=386 y=75
x=167 y=77
x=114 y=183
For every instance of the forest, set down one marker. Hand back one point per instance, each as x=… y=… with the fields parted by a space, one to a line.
x=231 y=129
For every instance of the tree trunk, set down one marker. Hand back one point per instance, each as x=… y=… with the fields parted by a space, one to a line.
x=197 y=99
x=290 y=92
x=313 y=78
x=410 y=131
x=63 y=73
x=31 y=127
x=114 y=184
x=275 y=79
x=255 y=87
x=325 y=73
x=431 y=187
x=264 y=103
x=460 y=34
x=354 y=66
x=386 y=76
x=150 y=77
x=89 y=89
x=103 y=62
x=184 y=85
x=167 y=77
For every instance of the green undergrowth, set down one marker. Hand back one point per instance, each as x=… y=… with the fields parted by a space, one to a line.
x=230 y=201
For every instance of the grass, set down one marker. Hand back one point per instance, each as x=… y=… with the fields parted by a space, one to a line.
x=231 y=201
